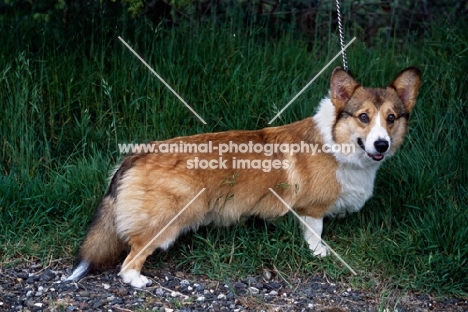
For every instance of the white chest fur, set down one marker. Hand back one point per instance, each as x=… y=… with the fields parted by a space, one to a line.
x=357 y=185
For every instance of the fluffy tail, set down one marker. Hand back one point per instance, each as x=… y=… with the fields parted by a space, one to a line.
x=101 y=246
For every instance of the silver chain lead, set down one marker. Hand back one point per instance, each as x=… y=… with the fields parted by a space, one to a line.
x=340 y=29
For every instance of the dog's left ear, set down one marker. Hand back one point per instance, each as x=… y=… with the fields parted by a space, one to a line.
x=406 y=84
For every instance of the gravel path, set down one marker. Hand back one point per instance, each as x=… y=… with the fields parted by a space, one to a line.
x=32 y=287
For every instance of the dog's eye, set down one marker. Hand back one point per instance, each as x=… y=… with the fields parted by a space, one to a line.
x=391 y=118
x=364 y=118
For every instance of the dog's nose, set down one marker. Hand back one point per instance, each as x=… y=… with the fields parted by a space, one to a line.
x=381 y=146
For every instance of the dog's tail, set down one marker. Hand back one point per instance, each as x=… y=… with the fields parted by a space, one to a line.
x=102 y=245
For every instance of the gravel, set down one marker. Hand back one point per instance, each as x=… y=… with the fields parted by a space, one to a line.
x=32 y=287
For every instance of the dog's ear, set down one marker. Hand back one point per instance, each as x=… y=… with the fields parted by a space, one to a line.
x=342 y=87
x=406 y=84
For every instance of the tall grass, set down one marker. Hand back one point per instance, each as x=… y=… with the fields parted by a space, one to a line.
x=69 y=97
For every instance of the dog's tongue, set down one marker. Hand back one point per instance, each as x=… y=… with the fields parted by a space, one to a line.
x=376 y=157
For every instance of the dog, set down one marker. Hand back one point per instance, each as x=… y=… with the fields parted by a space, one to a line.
x=143 y=207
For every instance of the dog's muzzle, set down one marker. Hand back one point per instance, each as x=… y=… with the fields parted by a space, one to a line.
x=381 y=146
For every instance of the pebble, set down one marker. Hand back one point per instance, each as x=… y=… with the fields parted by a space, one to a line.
x=110 y=299
x=30 y=303
x=84 y=293
x=97 y=304
x=39 y=292
x=250 y=280
x=240 y=285
x=48 y=275
x=267 y=275
x=122 y=291
x=22 y=275
x=159 y=292
x=31 y=280
x=258 y=285
x=253 y=290
x=309 y=292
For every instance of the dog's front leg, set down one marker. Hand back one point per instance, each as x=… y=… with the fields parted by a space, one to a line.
x=313 y=237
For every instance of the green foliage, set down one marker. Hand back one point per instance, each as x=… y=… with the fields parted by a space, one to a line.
x=135 y=7
x=374 y=19
x=70 y=94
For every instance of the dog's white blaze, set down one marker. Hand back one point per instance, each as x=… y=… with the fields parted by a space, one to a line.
x=377 y=133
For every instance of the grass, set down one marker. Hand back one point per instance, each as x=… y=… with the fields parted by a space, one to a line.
x=69 y=98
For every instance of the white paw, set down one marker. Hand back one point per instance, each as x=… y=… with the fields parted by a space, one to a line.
x=320 y=250
x=135 y=279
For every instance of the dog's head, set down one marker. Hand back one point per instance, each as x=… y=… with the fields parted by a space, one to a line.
x=374 y=120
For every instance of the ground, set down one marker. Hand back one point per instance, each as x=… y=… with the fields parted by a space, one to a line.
x=38 y=287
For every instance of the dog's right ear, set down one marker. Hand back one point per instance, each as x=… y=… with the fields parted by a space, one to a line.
x=342 y=87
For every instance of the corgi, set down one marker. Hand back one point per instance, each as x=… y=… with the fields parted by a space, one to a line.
x=143 y=207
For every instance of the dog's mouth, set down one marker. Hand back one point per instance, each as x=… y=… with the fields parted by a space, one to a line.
x=376 y=157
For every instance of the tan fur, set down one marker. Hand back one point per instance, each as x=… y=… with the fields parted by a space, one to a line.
x=105 y=234
x=148 y=190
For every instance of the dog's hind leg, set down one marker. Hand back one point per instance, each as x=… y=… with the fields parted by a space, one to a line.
x=142 y=245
